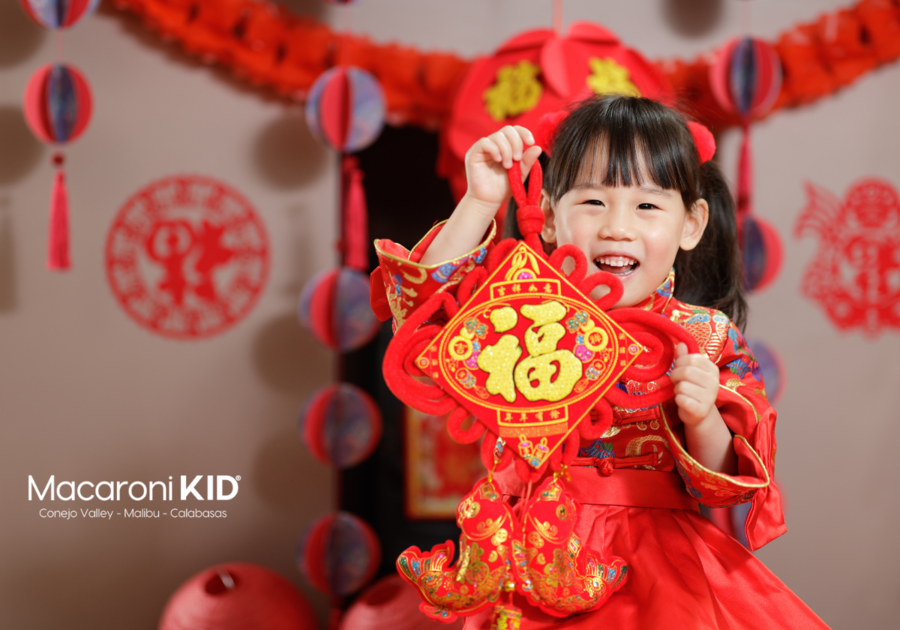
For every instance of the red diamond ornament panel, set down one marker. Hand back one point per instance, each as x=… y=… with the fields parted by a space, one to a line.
x=529 y=355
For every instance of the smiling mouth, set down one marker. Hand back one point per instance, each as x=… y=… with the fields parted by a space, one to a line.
x=617 y=265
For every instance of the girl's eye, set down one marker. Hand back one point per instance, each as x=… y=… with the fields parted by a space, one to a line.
x=647 y=206
x=594 y=202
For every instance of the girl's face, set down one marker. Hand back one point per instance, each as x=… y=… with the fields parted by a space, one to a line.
x=633 y=232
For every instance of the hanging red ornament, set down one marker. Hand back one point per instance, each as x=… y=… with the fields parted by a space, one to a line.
x=58 y=14
x=746 y=79
x=340 y=425
x=236 y=596
x=339 y=554
x=57 y=106
x=346 y=109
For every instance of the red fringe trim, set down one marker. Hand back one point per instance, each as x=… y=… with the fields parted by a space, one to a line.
x=269 y=47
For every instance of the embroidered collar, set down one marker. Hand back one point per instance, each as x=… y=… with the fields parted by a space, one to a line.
x=659 y=299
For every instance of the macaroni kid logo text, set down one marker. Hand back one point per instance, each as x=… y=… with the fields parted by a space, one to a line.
x=200 y=488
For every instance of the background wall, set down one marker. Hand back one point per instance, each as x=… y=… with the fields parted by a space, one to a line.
x=87 y=394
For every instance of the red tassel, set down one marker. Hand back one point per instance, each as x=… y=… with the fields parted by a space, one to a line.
x=58 y=233
x=355 y=228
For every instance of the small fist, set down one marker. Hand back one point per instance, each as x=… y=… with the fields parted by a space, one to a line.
x=696 y=380
x=488 y=160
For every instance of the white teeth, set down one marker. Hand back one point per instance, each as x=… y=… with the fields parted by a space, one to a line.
x=616 y=261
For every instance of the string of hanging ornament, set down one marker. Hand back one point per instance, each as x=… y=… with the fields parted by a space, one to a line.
x=57 y=105
x=341 y=424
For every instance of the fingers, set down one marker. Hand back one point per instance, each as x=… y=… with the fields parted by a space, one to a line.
x=680 y=349
x=510 y=143
x=529 y=157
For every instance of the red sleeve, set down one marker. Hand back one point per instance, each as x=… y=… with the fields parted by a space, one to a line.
x=743 y=405
x=401 y=284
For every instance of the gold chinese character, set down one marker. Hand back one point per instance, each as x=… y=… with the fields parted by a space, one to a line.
x=515 y=92
x=498 y=361
x=608 y=77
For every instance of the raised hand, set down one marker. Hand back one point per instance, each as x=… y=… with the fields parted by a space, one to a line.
x=488 y=160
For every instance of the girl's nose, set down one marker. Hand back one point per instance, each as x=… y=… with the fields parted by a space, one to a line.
x=616 y=227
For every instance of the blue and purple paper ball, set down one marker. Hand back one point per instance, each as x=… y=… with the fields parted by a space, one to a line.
x=761 y=251
x=57 y=103
x=772 y=368
x=746 y=77
x=338 y=554
x=56 y=14
x=340 y=425
x=335 y=307
x=346 y=108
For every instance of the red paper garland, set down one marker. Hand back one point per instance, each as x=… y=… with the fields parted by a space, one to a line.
x=266 y=45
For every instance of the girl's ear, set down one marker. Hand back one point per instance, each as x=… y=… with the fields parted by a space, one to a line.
x=694 y=225
x=548 y=233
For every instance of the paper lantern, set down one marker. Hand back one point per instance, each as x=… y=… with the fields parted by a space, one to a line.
x=746 y=77
x=338 y=554
x=335 y=307
x=57 y=103
x=57 y=14
x=57 y=106
x=761 y=250
x=391 y=603
x=771 y=367
x=237 y=596
x=540 y=71
x=340 y=425
x=346 y=108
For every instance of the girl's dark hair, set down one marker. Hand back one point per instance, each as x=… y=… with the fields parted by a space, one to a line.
x=638 y=136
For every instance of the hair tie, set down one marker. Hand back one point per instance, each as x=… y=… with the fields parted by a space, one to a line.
x=703 y=138
x=546 y=129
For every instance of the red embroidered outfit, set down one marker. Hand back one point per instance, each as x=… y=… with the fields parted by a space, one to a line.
x=640 y=489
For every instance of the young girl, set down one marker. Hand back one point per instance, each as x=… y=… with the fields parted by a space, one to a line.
x=625 y=183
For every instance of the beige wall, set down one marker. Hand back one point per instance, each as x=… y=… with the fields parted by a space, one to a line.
x=87 y=394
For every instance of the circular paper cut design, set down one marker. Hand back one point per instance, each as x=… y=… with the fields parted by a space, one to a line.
x=187 y=257
x=346 y=108
x=340 y=425
x=335 y=307
x=57 y=103
x=237 y=595
x=338 y=554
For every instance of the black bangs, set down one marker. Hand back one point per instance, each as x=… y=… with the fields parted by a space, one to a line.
x=636 y=137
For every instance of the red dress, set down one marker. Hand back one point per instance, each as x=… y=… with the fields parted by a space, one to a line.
x=638 y=487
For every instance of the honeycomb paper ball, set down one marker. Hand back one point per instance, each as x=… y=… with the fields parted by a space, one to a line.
x=57 y=103
x=346 y=108
x=762 y=252
x=56 y=14
x=237 y=596
x=340 y=425
x=334 y=306
x=339 y=554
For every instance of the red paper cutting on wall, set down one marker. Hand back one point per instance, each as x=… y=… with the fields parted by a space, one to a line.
x=854 y=275
x=187 y=257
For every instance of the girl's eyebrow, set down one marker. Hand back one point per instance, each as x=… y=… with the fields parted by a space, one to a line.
x=653 y=190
